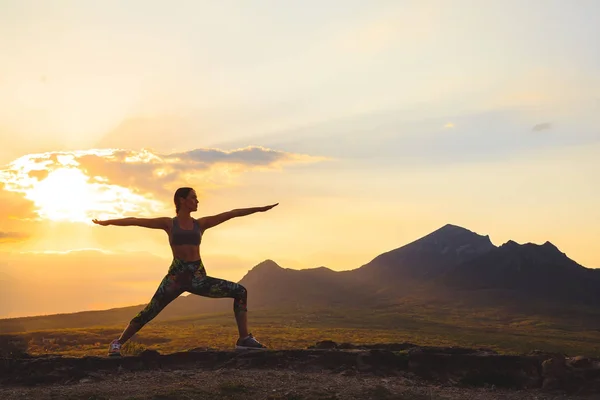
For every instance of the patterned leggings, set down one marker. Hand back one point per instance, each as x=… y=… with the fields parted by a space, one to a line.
x=190 y=277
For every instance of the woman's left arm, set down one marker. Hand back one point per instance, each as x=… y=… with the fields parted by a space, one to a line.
x=214 y=220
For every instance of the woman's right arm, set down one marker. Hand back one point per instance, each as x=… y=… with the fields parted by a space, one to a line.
x=152 y=223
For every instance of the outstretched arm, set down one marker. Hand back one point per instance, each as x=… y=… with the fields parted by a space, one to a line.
x=152 y=223
x=214 y=220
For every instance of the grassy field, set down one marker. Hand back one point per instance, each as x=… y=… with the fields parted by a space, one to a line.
x=434 y=325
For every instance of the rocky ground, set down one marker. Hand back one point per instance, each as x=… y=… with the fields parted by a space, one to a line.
x=326 y=371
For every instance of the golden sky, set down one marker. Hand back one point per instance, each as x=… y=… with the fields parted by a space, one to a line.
x=371 y=123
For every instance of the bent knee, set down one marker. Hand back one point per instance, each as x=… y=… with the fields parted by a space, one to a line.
x=240 y=303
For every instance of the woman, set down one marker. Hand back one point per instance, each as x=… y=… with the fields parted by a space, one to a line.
x=186 y=272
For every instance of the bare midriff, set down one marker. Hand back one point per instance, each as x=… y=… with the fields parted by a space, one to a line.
x=186 y=252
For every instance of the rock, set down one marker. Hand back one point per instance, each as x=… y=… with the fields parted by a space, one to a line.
x=554 y=373
x=474 y=369
x=574 y=374
x=149 y=354
x=361 y=363
x=325 y=345
x=580 y=362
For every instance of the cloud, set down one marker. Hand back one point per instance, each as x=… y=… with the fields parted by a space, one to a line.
x=13 y=205
x=542 y=127
x=154 y=172
x=253 y=156
x=77 y=185
x=10 y=237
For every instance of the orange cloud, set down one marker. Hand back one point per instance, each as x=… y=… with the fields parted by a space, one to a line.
x=13 y=206
x=9 y=237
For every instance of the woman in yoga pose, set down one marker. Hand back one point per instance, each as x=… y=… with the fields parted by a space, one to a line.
x=187 y=272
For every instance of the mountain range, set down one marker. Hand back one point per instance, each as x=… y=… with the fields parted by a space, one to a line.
x=451 y=264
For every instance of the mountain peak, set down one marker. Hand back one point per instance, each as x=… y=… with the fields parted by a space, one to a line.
x=451 y=229
x=267 y=265
x=551 y=249
x=455 y=234
x=431 y=254
x=267 y=269
x=547 y=247
x=448 y=228
x=452 y=226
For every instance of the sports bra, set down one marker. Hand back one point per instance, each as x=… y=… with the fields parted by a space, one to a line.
x=181 y=236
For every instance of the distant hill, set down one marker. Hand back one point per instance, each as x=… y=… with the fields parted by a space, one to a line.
x=271 y=286
x=452 y=263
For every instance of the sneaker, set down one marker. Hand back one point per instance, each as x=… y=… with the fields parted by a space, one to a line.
x=249 y=343
x=114 y=349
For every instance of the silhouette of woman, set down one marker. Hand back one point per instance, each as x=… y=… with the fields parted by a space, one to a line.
x=187 y=272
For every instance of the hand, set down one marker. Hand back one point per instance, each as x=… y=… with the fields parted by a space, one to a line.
x=267 y=208
x=103 y=223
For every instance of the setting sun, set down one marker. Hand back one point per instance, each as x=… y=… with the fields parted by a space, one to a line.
x=64 y=195
x=61 y=191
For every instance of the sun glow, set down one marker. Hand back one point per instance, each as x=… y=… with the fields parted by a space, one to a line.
x=64 y=195
x=61 y=191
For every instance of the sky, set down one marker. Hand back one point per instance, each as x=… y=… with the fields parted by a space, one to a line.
x=370 y=123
